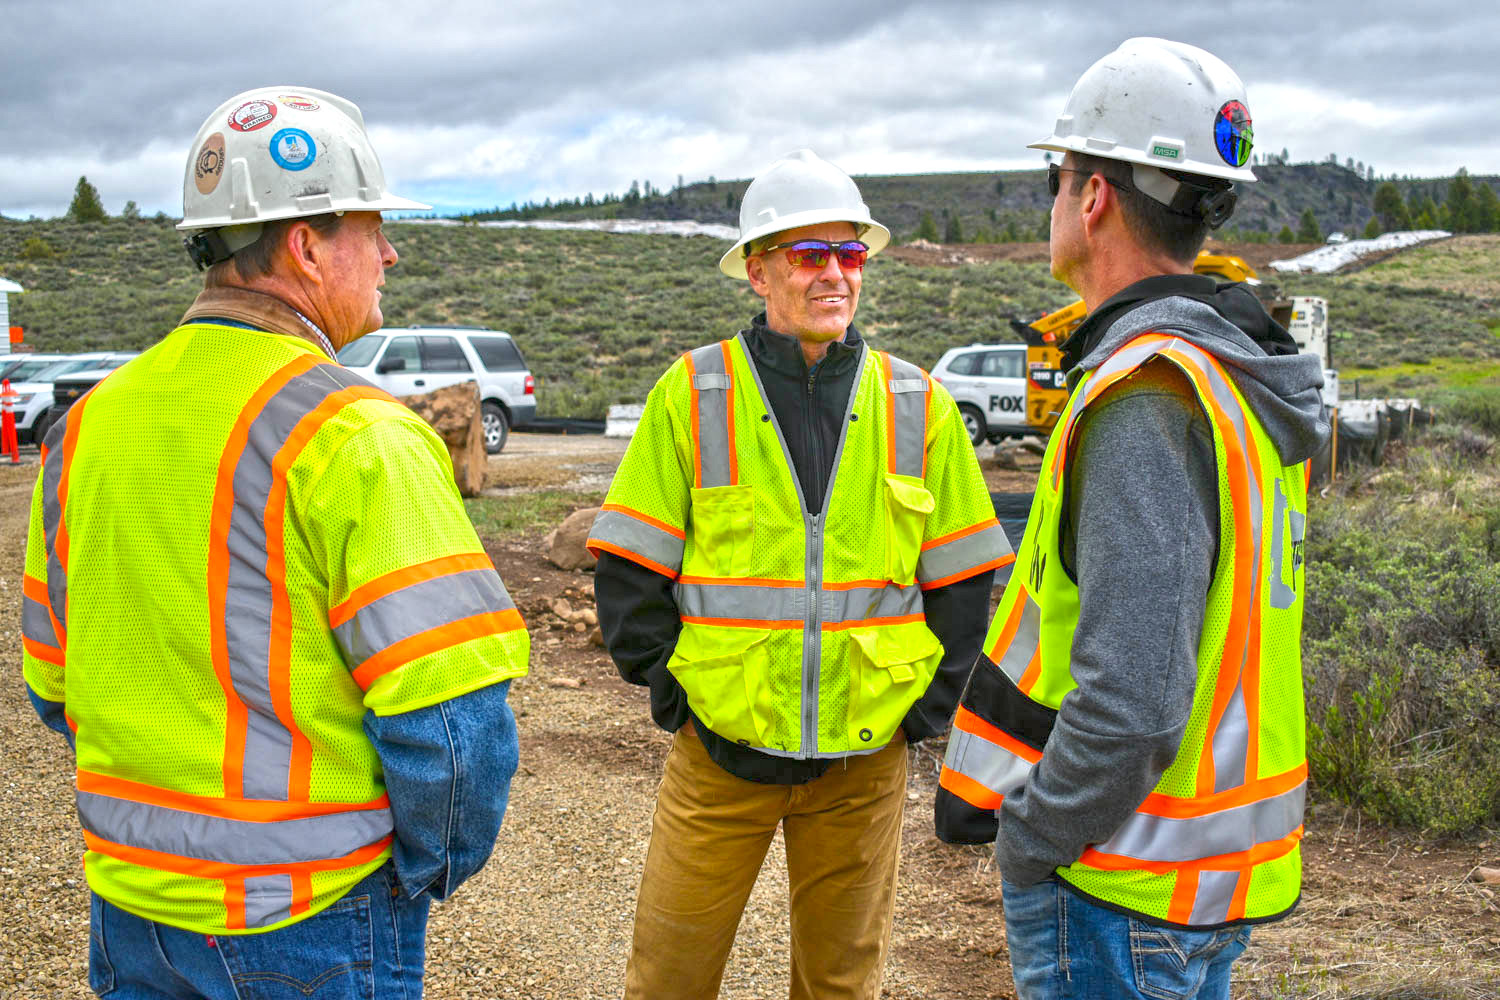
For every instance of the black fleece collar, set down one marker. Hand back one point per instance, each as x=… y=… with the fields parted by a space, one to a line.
x=783 y=354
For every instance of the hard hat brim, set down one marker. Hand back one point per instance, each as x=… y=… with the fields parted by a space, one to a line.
x=872 y=234
x=1079 y=144
x=388 y=203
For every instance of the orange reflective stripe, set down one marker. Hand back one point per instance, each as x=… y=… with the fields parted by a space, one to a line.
x=1257 y=855
x=743 y=622
x=1033 y=671
x=953 y=536
x=236 y=716
x=43 y=652
x=687 y=360
x=890 y=412
x=675 y=532
x=742 y=581
x=1173 y=807
x=971 y=723
x=854 y=584
x=734 y=465
x=402 y=578
x=624 y=553
x=234 y=902
x=1012 y=623
x=249 y=810
x=969 y=790
x=972 y=571
x=434 y=641
x=1241 y=894
x=198 y=868
x=1184 y=895
x=301 y=892
x=863 y=622
x=1250 y=676
x=927 y=421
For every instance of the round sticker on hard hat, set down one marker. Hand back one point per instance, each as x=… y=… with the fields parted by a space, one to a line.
x=1232 y=133
x=299 y=103
x=252 y=115
x=208 y=165
x=293 y=149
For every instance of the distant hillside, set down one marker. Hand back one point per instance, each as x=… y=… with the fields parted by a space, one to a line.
x=1007 y=206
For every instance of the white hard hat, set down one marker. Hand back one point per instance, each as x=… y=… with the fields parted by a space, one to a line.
x=281 y=153
x=800 y=189
x=1162 y=104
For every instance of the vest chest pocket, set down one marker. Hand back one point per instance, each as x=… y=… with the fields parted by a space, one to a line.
x=890 y=667
x=723 y=526
x=907 y=504
x=724 y=672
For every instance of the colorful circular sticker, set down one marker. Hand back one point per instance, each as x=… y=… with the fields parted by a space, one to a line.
x=252 y=115
x=293 y=149
x=299 y=103
x=1233 y=134
x=208 y=165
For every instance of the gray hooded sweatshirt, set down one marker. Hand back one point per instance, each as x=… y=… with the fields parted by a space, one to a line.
x=1140 y=537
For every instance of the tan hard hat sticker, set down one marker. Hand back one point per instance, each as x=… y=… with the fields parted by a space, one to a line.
x=208 y=167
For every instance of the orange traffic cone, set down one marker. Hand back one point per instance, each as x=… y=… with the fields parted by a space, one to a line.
x=8 y=442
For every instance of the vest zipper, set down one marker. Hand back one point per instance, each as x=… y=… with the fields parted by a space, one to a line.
x=812 y=635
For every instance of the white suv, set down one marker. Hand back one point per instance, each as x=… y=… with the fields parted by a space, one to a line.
x=989 y=383
x=411 y=361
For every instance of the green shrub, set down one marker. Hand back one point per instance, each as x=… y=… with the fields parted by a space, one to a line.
x=1477 y=405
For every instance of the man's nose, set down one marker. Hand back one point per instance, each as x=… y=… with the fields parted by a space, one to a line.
x=832 y=272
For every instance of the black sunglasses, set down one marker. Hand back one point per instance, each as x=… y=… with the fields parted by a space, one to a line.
x=1054 y=179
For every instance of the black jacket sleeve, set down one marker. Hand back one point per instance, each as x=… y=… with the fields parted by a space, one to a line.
x=958 y=615
x=640 y=623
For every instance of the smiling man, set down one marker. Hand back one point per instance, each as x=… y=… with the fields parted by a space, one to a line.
x=795 y=557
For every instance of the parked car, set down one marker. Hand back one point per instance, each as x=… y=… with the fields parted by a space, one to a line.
x=36 y=409
x=988 y=381
x=21 y=367
x=413 y=360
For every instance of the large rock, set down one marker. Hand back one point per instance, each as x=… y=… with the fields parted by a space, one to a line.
x=565 y=545
x=453 y=411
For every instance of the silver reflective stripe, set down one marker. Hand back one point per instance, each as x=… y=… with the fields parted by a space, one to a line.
x=976 y=758
x=1215 y=893
x=247 y=606
x=1023 y=646
x=634 y=535
x=772 y=604
x=908 y=390
x=711 y=384
x=420 y=608
x=57 y=576
x=952 y=558
x=36 y=623
x=1284 y=595
x=231 y=841
x=268 y=900
x=1232 y=741
x=1159 y=838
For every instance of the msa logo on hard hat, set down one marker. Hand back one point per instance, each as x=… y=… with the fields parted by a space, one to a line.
x=1232 y=133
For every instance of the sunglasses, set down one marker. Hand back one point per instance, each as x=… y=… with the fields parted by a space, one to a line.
x=814 y=253
x=1054 y=179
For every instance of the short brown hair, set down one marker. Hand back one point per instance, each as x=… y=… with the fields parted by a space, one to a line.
x=254 y=260
x=1154 y=225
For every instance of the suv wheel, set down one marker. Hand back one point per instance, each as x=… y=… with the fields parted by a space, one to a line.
x=973 y=423
x=496 y=426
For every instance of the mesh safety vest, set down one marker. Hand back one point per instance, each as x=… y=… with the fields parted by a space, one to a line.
x=802 y=634
x=237 y=548
x=1217 y=840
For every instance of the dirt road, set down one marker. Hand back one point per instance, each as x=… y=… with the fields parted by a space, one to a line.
x=550 y=916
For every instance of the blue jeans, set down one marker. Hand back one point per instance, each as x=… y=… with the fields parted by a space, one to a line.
x=1062 y=946
x=371 y=943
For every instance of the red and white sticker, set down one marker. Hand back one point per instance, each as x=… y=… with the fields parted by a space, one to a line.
x=298 y=102
x=252 y=115
x=208 y=165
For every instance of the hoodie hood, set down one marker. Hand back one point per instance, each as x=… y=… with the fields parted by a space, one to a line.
x=1279 y=384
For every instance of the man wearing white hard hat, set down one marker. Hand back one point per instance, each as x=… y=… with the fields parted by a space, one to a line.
x=795 y=557
x=1132 y=737
x=255 y=606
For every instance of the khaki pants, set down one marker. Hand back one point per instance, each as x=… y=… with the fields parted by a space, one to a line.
x=709 y=836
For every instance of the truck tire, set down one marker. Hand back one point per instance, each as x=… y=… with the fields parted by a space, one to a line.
x=496 y=426
x=974 y=423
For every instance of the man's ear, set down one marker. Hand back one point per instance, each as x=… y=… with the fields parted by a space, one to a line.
x=302 y=245
x=755 y=267
x=1094 y=205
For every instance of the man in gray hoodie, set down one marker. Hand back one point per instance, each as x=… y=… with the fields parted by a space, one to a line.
x=1132 y=737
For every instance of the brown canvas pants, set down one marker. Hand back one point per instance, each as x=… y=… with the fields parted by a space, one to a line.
x=709 y=836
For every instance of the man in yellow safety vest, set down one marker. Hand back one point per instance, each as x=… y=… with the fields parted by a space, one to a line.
x=1132 y=736
x=255 y=606
x=796 y=557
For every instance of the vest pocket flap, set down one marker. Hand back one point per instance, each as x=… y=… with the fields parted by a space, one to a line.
x=909 y=493
x=709 y=646
x=724 y=672
x=899 y=649
x=907 y=504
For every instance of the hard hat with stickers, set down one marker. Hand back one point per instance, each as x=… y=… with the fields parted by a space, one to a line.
x=277 y=153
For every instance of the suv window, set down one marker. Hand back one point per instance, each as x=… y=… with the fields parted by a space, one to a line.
x=1004 y=364
x=965 y=364
x=404 y=348
x=443 y=354
x=498 y=354
x=361 y=352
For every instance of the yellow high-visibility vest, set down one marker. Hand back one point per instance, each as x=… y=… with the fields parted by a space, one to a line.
x=802 y=634
x=1217 y=840
x=237 y=548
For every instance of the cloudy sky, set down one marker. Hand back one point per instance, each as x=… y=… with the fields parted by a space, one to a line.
x=476 y=104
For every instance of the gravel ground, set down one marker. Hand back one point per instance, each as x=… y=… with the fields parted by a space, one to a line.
x=550 y=916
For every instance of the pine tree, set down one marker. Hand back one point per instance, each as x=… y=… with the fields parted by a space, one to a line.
x=1286 y=235
x=953 y=231
x=1460 y=203
x=1486 y=209
x=927 y=229
x=130 y=211
x=86 y=206
x=1390 y=209
x=1372 y=228
x=1307 y=228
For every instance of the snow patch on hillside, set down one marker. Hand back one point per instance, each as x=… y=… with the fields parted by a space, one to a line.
x=1327 y=259
x=653 y=227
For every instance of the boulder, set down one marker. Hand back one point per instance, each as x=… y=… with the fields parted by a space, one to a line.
x=565 y=545
x=453 y=411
